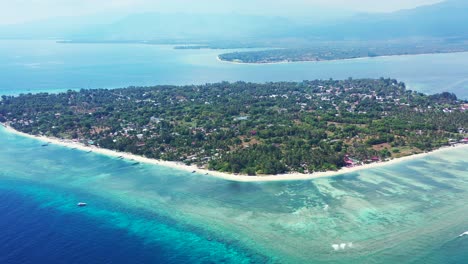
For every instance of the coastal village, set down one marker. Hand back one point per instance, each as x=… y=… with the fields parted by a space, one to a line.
x=234 y=132
x=345 y=121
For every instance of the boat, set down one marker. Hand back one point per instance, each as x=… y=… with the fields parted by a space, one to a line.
x=45 y=145
x=464 y=234
x=81 y=204
x=193 y=171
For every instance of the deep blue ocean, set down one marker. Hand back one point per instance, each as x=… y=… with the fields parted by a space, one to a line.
x=31 y=233
x=34 y=230
x=409 y=212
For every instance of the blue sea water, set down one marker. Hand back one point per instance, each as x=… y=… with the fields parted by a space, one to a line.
x=28 y=66
x=37 y=228
x=410 y=212
x=32 y=233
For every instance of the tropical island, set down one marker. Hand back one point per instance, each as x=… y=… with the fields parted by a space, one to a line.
x=250 y=128
x=341 y=50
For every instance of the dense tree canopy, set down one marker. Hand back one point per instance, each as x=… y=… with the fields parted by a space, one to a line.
x=249 y=128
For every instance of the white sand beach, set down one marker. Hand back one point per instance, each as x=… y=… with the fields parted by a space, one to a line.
x=222 y=175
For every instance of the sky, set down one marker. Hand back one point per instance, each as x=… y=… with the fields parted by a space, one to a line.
x=19 y=11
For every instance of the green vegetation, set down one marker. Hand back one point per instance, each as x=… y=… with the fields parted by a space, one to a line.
x=249 y=128
x=338 y=50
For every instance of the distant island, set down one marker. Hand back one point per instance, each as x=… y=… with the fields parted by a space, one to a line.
x=192 y=47
x=340 y=50
x=250 y=128
x=262 y=52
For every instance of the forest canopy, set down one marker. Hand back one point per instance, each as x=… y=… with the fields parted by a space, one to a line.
x=249 y=128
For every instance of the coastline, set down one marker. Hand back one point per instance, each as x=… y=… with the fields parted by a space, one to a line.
x=260 y=63
x=223 y=175
x=319 y=60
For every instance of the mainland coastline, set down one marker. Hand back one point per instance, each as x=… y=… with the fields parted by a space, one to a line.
x=223 y=175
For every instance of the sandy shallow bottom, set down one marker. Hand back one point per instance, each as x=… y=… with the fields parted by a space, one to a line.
x=409 y=211
x=226 y=176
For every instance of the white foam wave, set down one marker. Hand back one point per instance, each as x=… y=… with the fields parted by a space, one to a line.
x=342 y=246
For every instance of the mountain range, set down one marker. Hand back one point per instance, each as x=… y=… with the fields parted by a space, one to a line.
x=446 y=20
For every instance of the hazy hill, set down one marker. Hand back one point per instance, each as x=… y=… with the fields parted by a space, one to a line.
x=58 y=27
x=447 y=19
x=150 y=26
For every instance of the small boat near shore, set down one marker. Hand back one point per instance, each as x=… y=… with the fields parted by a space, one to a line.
x=463 y=234
x=81 y=204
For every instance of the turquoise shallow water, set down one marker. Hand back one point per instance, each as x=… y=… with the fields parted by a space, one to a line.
x=31 y=66
x=410 y=212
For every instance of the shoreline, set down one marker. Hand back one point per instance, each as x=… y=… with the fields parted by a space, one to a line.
x=223 y=175
x=259 y=63
x=347 y=59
